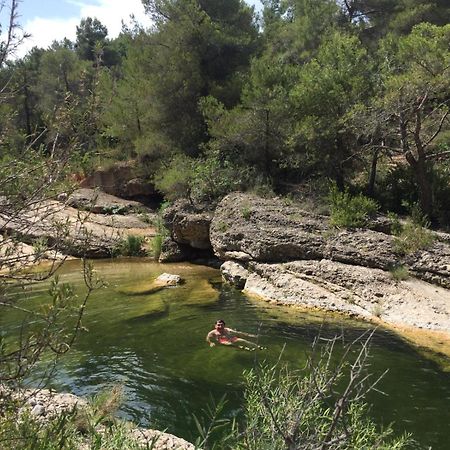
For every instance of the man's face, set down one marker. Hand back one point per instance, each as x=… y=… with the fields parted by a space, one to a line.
x=219 y=326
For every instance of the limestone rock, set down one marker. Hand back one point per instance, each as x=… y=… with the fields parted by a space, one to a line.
x=234 y=273
x=187 y=225
x=72 y=232
x=361 y=291
x=122 y=180
x=168 y=279
x=171 y=251
x=248 y=228
x=100 y=203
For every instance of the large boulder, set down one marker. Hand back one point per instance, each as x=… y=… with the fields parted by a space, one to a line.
x=267 y=230
x=248 y=228
x=100 y=203
x=188 y=225
x=122 y=179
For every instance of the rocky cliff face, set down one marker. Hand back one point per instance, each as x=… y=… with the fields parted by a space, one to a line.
x=93 y=230
x=121 y=180
x=287 y=255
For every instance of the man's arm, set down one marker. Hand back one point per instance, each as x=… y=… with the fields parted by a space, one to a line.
x=241 y=333
x=210 y=335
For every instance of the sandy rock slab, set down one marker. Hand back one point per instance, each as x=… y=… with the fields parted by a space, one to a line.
x=360 y=291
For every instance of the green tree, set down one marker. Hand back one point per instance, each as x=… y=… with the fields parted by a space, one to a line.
x=412 y=109
x=323 y=98
x=293 y=29
x=67 y=98
x=380 y=17
x=198 y=48
x=91 y=37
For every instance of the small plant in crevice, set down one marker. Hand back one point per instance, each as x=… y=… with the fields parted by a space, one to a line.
x=377 y=310
x=222 y=226
x=399 y=273
x=246 y=212
x=161 y=233
x=412 y=237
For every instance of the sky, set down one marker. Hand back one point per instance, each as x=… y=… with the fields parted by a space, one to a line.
x=49 y=20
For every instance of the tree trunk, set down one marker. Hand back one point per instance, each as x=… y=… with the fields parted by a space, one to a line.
x=373 y=173
x=424 y=188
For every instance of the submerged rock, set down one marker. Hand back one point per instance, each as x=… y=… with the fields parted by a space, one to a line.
x=168 y=279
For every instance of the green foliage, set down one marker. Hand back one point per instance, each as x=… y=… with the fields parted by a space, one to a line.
x=93 y=427
x=161 y=233
x=396 y=226
x=399 y=273
x=310 y=409
x=412 y=238
x=413 y=234
x=246 y=212
x=91 y=34
x=214 y=177
x=130 y=246
x=350 y=211
x=174 y=178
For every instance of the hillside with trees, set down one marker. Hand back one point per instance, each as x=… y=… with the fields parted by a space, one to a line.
x=215 y=98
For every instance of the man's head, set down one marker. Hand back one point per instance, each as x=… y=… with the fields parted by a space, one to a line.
x=219 y=325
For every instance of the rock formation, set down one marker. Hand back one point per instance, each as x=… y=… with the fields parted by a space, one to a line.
x=290 y=256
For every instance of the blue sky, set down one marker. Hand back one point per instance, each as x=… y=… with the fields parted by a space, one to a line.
x=49 y=20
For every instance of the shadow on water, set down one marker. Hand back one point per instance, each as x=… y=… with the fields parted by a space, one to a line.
x=154 y=345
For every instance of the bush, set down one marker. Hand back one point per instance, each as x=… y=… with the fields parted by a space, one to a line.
x=130 y=246
x=92 y=427
x=174 y=178
x=161 y=233
x=319 y=407
x=350 y=211
x=400 y=273
x=412 y=237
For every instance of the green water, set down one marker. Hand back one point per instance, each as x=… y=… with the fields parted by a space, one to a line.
x=154 y=345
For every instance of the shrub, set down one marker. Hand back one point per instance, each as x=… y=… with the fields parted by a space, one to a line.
x=174 y=178
x=130 y=246
x=246 y=212
x=400 y=273
x=411 y=238
x=156 y=245
x=161 y=232
x=319 y=407
x=92 y=427
x=350 y=211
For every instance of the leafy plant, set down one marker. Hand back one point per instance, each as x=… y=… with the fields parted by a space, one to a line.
x=413 y=237
x=130 y=246
x=319 y=407
x=399 y=273
x=161 y=232
x=246 y=212
x=350 y=211
x=377 y=310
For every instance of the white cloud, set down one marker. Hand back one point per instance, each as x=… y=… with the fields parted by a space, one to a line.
x=111 y=13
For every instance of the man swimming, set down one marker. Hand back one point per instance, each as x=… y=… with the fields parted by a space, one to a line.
x=227 y=336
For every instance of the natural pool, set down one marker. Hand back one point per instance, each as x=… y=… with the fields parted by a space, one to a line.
x=154 y=345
